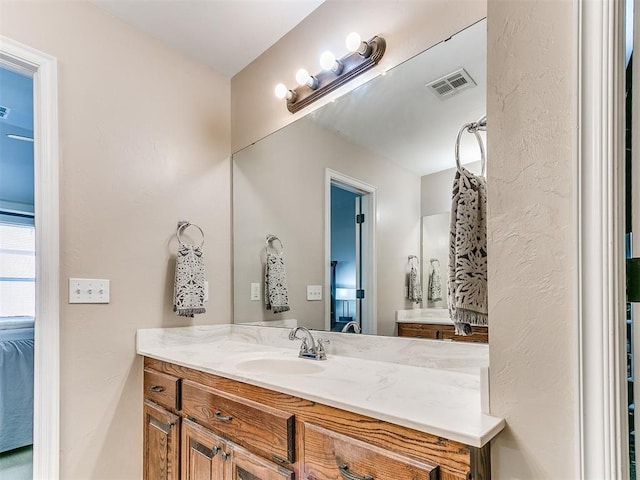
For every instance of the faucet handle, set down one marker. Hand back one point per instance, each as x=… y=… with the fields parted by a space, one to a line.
x=322 y=342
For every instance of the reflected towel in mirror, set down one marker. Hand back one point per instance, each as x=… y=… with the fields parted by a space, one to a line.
x=415 y=286
x=467 y=282
x=276 y=296
x=434 y=288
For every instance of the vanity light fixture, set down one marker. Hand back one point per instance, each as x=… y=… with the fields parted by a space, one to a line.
x=335 y=72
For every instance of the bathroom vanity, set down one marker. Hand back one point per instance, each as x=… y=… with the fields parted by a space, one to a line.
x=230 y=402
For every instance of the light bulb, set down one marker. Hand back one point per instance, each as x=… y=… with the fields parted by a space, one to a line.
x=353 y=41
x=327 y=60
x=302 y=76
x=281 y=90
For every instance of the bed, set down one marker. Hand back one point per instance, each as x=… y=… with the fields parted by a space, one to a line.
x=16 y=382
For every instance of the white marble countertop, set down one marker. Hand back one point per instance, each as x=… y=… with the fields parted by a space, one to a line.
x=441 y=402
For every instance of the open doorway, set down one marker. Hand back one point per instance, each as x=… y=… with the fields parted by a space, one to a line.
x=350 y=247
x=17 y=274
x=42 y=69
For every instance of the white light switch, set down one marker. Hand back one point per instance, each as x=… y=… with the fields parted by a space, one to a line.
x=206 y=291
x=88 y=290
x=314 y=292
x=255 y=291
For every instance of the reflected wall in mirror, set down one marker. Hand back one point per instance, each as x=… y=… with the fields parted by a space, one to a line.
x=387 y=149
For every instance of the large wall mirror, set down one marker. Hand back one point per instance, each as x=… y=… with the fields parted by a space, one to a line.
x=356 y=191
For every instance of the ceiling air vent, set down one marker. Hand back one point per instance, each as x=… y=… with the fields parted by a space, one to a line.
x=4 y=112
x=451 y=84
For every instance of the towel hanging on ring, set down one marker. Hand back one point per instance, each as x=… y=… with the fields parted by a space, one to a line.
x=467 y=283
x=276 y=296
x=415 y=285
x=188 y=292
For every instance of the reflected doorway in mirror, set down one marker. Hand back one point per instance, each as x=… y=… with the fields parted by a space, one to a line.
x=349 y=250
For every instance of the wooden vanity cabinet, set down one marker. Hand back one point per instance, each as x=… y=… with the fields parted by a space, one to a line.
x=229 y=430
x=436 y=331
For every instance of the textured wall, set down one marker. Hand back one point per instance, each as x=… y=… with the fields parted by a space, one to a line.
x=144 y=141
x=531 y=65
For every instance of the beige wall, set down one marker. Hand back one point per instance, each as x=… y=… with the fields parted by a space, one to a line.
x=531 y=237
x=144 y=141
x=279 y=188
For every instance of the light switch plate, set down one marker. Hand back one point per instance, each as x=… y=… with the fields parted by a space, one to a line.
x=255 y=291
x=88 y=290
x=314 y=292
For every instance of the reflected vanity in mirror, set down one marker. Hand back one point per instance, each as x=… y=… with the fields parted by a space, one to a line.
x=354 y=190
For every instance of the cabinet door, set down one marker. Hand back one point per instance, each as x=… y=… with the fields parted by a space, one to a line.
x=204 y=454
x=247 y=466
x=161 y=443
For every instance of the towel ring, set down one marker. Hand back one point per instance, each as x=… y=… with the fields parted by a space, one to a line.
x=414 y=258
x=269 y=243
x=474 y=127
x=182 y=226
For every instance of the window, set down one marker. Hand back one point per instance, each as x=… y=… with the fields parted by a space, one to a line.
x=17 y=270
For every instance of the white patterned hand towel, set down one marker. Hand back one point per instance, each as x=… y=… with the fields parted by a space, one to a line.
x=275 y=284
x=415 y=286
x=467 y=285
x=188 y=293
x=434 y=288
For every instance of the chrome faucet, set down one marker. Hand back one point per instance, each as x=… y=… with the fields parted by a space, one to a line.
x=352 y=324
x=310 y=348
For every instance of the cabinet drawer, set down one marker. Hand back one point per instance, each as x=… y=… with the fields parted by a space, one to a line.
x=243 y=421
x=163 y=389
x=329 y=455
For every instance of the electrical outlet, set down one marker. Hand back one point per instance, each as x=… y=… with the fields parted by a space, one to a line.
x=88 y=290
x=314 y=292
x=255 y=291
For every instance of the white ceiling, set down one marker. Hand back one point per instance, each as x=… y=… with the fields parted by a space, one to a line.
x=225 y=34
x=397 y=117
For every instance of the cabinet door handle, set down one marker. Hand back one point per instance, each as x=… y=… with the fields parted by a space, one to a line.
x=156 y=389
x=344 y=471
x=225 y=455
x=222 y=418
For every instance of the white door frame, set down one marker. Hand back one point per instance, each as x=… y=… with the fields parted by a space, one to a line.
x=369 y=321
x=46 y=414
x=600 y=327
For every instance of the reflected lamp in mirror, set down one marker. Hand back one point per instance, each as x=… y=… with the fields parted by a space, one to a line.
x=345 y=295
x=362 y=56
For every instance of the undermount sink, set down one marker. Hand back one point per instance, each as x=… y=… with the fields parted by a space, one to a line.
x=281 y=366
